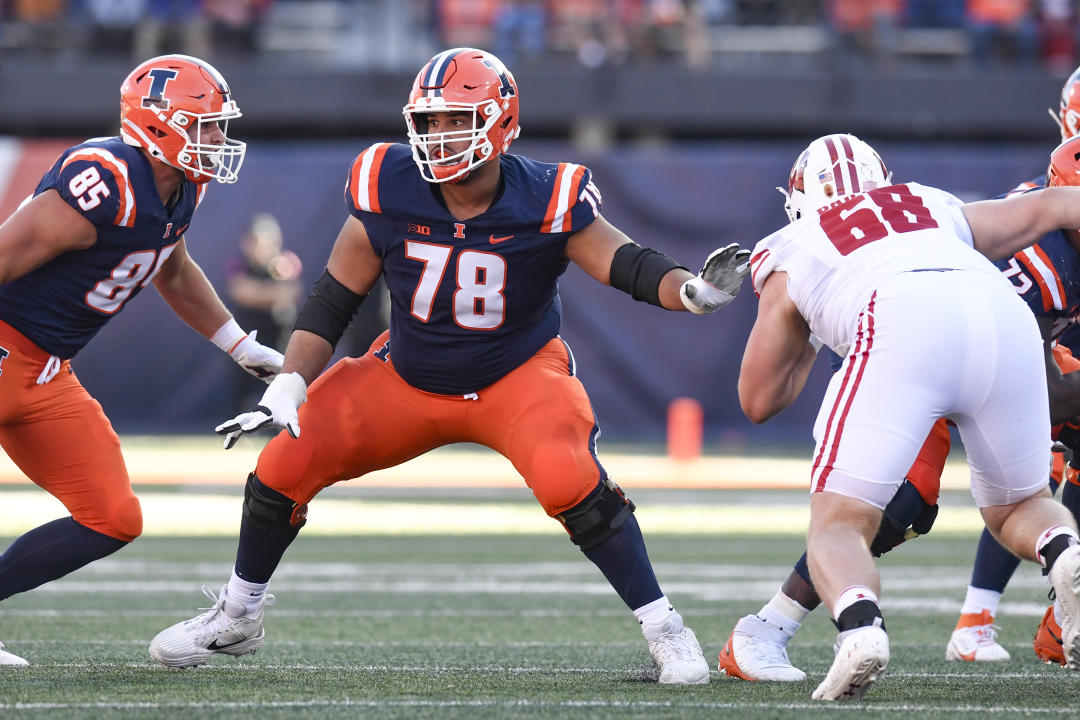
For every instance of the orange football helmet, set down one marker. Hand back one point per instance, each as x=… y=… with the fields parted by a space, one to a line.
x=1068 y=115
x=462 y=80
x=178 y=108
x=829 y=168
x=1064 y=168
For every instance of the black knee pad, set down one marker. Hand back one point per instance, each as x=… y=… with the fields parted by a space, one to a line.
x=268 y=509
x=598 y=517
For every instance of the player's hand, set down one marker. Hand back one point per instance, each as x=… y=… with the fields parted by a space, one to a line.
x=1069 y=435
x=718 y=282
x=260 y=360
x=277 y=407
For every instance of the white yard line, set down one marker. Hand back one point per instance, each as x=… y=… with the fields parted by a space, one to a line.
x=1026 y=710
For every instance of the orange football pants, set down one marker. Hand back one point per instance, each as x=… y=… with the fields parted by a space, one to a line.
x=925 y=472
x=59 y=437
x=361 y=416
x=1059 y=470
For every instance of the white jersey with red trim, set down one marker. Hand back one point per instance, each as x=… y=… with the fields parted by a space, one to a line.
x=836 y=258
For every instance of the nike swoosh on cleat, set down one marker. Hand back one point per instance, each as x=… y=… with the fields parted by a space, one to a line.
x=214 y=645
x=496 y=240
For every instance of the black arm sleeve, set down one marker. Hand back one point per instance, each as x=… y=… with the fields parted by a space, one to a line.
x=329 y=309
x=638 y=271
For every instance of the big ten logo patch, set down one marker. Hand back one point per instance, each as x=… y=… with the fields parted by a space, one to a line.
x=417 y=229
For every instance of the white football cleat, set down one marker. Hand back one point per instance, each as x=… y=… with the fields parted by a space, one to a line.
x=192 y=642
x=11 y=659
x=758 y=651
x=677 y=653
x=975 y=640
x=861 y=656
x=1065 y=577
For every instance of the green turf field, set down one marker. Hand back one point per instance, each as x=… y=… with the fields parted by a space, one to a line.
x=402 y=623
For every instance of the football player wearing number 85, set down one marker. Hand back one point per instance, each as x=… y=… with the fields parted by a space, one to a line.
x=891 y=278
x=107 y=220
x=471 y=242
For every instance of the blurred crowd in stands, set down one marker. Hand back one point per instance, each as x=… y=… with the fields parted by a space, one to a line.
x=397 y=34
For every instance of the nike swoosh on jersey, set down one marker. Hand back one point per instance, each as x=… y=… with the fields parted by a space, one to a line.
x=496 y=240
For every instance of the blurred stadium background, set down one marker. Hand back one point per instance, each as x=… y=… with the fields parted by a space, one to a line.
x=689 y=112
x=438 y=588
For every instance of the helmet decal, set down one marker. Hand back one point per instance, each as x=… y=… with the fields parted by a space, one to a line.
x=506 y=88
x=156 y=95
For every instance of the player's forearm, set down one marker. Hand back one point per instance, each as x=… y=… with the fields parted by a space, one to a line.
x=1000 y=228
x=669 y=288
x=763 y=395
x=307 y=354
x=193 y=299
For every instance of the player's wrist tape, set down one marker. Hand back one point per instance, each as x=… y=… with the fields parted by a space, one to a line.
x=329 y=309
x=638 y=271
x=228 y=336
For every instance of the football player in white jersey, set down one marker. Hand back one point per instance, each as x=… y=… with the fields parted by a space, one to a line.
x=888 y=277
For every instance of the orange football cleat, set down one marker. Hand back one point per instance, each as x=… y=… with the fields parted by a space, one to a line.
x=1048 y=640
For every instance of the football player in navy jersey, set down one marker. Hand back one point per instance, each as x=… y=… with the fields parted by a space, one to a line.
x=471 y=242
x=1047 y=276
x=107 y=220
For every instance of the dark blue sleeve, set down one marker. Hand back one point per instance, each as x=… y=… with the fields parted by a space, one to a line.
x=835 y=361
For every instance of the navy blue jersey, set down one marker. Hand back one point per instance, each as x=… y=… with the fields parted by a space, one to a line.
x=1047 y=276
x=469 y=300
x=1032 y=184
x=63 y=303
x=1070 y=338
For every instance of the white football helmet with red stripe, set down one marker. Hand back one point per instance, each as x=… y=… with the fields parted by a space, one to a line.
x=829 y=168
x=462 y=80
x=178 y=108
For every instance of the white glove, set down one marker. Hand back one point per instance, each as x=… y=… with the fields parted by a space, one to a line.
x=718 y=282
x=261 y=361
x=278 y=406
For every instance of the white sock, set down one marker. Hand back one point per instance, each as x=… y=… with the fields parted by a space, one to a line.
x=243 y=597
x=852 y=595
x=1057 y=612
x=979 y=599
x=655 y=612
x=655 y=615
x=784 y=613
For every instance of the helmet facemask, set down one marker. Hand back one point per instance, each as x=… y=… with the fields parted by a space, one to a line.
x=450 y=166
x=211 y=152
x=1067 y=116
